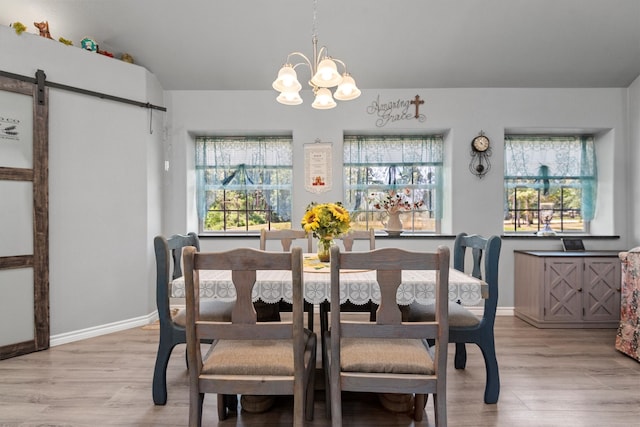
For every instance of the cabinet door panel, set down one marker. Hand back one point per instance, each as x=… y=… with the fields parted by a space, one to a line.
x=602 y=289
x=563 y=293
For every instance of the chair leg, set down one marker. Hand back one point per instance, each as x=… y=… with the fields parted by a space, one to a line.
x=324 y=327
x=311 y=385
x=160 y=373
x=310 y=397
x=324 y=321
x=492 y=387
x=231 y=402
x=440 y=410
x=336 y=405
x=418 y=408
x=222 y=408
x=327 y=386
x=460 y=359
x=195 y=408
x=310 y=313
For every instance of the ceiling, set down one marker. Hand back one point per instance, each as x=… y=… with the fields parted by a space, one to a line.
x=241 y=44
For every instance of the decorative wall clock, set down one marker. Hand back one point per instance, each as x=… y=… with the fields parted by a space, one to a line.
x=480 y=153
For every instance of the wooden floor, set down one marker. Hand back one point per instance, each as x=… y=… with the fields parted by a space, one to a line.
x=553 y=377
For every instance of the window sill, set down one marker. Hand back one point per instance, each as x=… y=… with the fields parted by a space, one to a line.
x=558 y=236
x=381 y=235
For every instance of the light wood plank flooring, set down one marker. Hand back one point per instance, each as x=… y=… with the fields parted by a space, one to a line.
x=553 y=377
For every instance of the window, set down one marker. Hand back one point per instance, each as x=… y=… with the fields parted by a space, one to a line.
x=549 y=180
x=243 y=183
x=375 y=166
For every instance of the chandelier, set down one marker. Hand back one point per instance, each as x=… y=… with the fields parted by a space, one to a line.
x=324 y=75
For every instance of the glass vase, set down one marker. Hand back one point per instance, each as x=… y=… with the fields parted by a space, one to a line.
x=324 y=249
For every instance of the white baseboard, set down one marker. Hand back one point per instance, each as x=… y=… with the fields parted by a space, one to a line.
x=97 y=331
x=500 y=311
x=505 y=311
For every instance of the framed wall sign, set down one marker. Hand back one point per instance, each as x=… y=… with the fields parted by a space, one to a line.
x=317 y=167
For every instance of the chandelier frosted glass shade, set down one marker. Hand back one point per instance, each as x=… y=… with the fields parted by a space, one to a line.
x=289 y=98
x=347 y=90
x=324 y=100
x=287 y=80
x=327 y=74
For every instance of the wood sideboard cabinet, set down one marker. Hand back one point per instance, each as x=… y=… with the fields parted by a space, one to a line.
x=556 y=289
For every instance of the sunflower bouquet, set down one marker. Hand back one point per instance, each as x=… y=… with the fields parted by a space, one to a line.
x=326 y=221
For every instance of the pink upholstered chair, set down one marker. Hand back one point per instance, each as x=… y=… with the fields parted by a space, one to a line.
x=628 y=335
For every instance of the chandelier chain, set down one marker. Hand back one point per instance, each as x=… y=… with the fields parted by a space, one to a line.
x=314 y=27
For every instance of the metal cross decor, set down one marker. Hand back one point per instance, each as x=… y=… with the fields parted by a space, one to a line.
x=417 y=102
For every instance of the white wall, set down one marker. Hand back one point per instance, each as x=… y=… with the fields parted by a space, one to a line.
x=474 y=205
x=104 y=183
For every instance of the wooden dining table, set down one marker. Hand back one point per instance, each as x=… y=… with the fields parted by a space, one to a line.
x=356 y=286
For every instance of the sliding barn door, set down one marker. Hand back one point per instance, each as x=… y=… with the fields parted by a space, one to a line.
x=24 y=219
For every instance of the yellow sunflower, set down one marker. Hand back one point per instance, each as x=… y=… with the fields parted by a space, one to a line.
x=340 y=213
x=310 y=221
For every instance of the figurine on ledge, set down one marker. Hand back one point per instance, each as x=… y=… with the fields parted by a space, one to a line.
x=547 y=230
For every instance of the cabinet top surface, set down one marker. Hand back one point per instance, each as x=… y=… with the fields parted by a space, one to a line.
x=570 y=253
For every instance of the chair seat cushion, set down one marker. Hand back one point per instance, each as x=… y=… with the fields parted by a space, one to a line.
x=253 y=357
x=459 y=317
x=212 y=310
x=399 y=356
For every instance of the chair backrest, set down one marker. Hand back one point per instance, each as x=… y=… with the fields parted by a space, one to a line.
x=286 y=238
x=485 y=256
x=243 y=264
x=168 y=267
x=389 y=263
x=349 y=238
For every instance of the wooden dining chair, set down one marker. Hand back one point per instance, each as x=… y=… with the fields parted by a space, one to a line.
x=172 y=322
x=247 y=356
x=464 y=326
x=353 y=235
x=389 y=355
x=286 y=237
x=348 y=241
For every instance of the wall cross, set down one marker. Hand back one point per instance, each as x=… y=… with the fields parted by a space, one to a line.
x=417 y=102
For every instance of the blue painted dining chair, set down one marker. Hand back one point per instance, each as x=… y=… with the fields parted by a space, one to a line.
x=172 y=322
x=464 y=326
